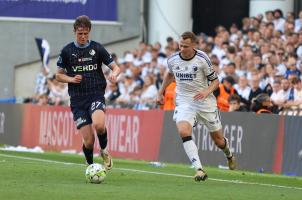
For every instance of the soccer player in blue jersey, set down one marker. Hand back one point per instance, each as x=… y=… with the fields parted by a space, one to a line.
x=80 y=65
x=195 y=82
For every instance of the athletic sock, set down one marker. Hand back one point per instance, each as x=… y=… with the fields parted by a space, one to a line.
x=192 y=152
x=226 y=149
x=88 y=155
x=103 y=139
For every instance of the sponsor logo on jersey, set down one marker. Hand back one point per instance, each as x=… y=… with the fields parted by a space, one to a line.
x=84 y=68
x=85 y=59
x=185 y=76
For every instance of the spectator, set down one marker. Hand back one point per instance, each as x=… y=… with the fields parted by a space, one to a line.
x=148 y=94
x=58 y=92
x=41 y=86
x=296 y=101
x=283 y=95
x=292 y=66
x=231 y=71
x=262 y=104
x=235 y=104
x=223 y=92
x=298 y=22
x=126 y=87
x=275 y=94
x=112 y=93
x=279 y=21
x=255 y=89
x=243 y=88
x=269 y=16
x=169 y=97
x=43 y=100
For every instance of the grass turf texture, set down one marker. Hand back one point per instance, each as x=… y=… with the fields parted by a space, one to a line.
x=28 y=176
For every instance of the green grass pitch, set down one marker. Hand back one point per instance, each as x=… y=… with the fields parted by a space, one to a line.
x=49 y=176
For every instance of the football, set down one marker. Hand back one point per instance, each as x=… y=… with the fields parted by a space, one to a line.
x=95 y=173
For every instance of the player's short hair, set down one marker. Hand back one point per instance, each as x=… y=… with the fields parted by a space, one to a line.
x=82 y=21
x=189 y=35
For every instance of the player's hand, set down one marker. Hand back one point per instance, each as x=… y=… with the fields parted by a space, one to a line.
x=160 y=99
x=112 y=78
x=201 y=95
x=77 y=79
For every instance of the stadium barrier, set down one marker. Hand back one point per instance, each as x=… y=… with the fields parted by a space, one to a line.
x=131 y=135
x=251 y=137
x=291 y=112
x=265 y=142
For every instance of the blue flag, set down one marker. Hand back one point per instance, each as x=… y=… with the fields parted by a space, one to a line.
x=44 y=51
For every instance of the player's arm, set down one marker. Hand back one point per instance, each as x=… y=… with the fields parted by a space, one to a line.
x=212 y=78
x=108 y=60
x=168 y=78
x=115 y=72
x=206 y=92
x=62 y=77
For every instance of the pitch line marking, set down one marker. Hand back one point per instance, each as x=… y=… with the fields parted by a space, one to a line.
x=156 y=173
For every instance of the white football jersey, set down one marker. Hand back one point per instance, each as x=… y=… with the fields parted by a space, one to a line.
x=193 y=75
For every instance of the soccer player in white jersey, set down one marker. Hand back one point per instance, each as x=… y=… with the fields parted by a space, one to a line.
x=195 y=102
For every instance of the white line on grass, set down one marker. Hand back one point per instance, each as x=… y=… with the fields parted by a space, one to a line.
x=157 y=173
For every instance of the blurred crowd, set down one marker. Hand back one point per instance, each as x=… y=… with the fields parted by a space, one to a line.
x=259 y=68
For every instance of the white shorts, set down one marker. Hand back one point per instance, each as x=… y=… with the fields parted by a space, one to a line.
x=194 y=116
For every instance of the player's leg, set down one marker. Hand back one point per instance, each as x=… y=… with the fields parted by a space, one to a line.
x=222 y=143
x=185 y=131
x=88 y=142
x=185 y=119
x=83 y=123
x=213 y=123
x=98 y=121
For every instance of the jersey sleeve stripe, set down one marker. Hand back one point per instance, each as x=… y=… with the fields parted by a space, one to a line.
x=172 y=57
x=205 y=57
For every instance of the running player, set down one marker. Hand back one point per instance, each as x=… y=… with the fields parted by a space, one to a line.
x=80 y=65
x=195 y=102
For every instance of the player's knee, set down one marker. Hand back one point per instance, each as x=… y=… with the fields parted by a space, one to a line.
x=184 y=129
x=89 y=144
x=99 y=128
x=183 y=132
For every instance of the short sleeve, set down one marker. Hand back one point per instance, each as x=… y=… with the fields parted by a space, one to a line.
x=105 y=56
x=208 y=68
x=61 y=62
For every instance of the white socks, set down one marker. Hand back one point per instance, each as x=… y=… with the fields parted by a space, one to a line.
x=192 y=152
x=226 y=149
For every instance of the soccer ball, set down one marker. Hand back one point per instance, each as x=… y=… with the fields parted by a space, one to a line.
x=95 y=173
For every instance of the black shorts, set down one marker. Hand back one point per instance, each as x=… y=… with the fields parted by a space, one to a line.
x=83 y=107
